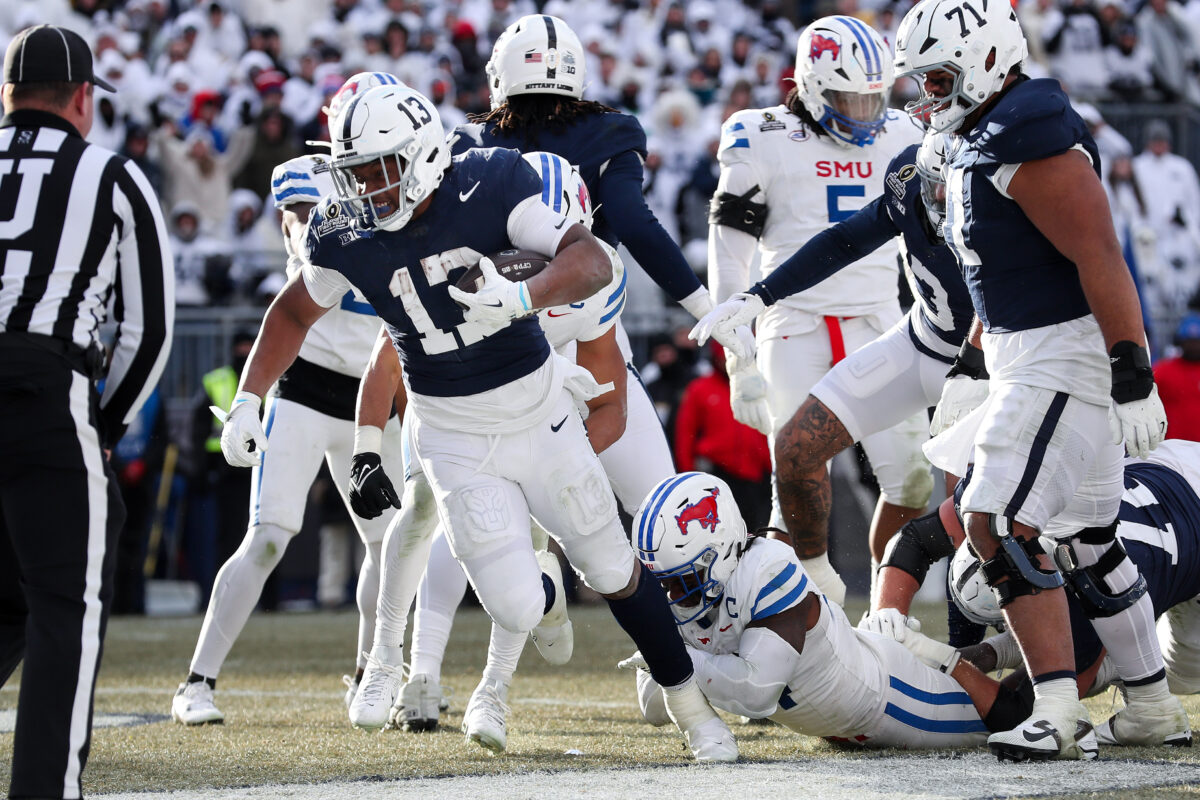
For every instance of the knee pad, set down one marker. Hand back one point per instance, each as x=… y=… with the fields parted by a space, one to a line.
x=1089 y=582
x=1015 y=562
x=509 y=585
x=264 y=545
x=919 y=544
x=604 y=560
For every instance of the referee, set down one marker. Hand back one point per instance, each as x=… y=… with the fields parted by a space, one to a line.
x=80 y=233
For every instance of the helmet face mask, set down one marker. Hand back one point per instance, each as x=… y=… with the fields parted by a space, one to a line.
x=931 y=158
x=389 y=155
x=844 y=77
x=960 y=52
x=690 y=535
x=537 y=54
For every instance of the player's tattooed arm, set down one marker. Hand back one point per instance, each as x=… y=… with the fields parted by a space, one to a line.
x=807 y=441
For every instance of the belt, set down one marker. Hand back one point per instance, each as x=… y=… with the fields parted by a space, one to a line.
x=86 y=361
x=837 y=346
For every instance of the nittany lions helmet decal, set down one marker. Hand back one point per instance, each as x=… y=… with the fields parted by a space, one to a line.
x=976 y=42
x=397 y=128
x=563 y=188
x=844 y=76
x=358 y=84
x=689 y=533
x=968 y=589
x=537 y=54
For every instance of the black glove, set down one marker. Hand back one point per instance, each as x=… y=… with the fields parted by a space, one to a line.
x=969 y=362
x=371 y=491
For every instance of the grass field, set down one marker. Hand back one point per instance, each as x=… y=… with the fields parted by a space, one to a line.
x=286 y=726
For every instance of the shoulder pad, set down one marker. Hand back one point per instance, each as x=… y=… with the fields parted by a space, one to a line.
x=736 y=134
x=327 y=223
x=304 y=179
x=1033 y=121
x=625 y=131
x=778 y=581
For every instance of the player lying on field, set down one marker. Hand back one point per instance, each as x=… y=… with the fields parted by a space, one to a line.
x=766 y=643
x=1159 y=528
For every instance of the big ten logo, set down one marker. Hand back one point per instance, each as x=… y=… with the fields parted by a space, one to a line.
x=844 y=169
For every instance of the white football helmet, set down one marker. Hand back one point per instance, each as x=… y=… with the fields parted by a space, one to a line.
x=690 y=534
x=959 y=37
x=844 y=77
x=968 y=589
x=357 y=84
x=931 y=157
x=563 y=188
x=537 y=54
x=397 y=128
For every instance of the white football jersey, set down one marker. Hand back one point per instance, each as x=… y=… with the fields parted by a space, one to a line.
x=588 y=319
x=342 y=339
x=808 y=183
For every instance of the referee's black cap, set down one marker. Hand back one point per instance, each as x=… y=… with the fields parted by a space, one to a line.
x=46 y=53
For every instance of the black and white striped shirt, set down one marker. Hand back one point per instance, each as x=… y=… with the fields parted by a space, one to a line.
x=80 y=226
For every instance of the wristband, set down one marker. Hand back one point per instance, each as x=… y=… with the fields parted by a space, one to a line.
x=367 y=439
x=762 y=292
x=1132 y=377
x=969 y=363
x=698 y=303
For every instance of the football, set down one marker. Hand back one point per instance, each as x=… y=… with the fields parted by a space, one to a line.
x=515 y=265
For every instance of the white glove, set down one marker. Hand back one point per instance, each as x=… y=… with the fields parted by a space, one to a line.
x=889 y=622
x=826 y=577
x=498 y=302
x=748 y=395
x=729 y=324
x=635 y=661
x=1141 y=424
x=931 y=652
x=960 y=396
x=243 y=440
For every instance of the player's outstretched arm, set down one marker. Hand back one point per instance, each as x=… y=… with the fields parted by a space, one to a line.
x=606 y=413
x=579 y=269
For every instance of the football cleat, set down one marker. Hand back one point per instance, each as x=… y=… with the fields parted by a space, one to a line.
x=484 y=720
x=351 y=689
x=1147 y=724
x=193 y=705
x=380 y=684
x=1039 y=739
x=707 y=735
x=417 y=709
x=554 y=637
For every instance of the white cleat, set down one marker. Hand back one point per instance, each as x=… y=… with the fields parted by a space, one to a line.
x=484 y=721
x=1041 y=739
x=378 y=689
x=1147 y=725
x=707 y=734
x=554 y=636
x=417 y=709
x=351 y=689
x=193 y=705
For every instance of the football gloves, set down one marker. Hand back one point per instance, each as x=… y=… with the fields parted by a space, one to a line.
x=729 y=324
x=243 y=440
x=748 y=395
x=498 y=302
x=889 y=622
x=930 y=652
x=1137 y=416
x=371 y=491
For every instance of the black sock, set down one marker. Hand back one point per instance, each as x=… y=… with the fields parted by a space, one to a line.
x=194 y=677
x=548 y=585
x=644 y=615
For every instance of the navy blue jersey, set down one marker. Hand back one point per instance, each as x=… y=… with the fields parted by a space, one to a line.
x=1017 y=278
x=406 y=274
x=1159 y=524
x=943 y=304
x=613 y=144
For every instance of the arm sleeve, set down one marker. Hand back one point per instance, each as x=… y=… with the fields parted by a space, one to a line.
x=533 y=225
x=325 y=286
x=729 y=249
x=620 y=194
x=829 y=251
x=750 y=682
x=145 y=302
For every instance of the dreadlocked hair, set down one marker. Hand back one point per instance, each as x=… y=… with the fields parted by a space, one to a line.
x=796 y=106
x=532 y=113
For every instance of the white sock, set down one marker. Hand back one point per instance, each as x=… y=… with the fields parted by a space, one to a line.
x=367 y=595
x=504 y=651
x=441 y=591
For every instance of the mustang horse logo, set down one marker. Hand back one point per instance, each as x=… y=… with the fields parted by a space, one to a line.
x=703 y=511
x=821 y=45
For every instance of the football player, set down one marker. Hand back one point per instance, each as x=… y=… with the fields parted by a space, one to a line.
x=1061 y=334
x=787 y=174
x=309 y=416
x=766 y=643
x=897 y=375
x=1158 y=526
x=485 y=390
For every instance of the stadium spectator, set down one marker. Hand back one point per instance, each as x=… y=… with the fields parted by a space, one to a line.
x=1168 y=36
x=1178 y=380
x=1075 y=40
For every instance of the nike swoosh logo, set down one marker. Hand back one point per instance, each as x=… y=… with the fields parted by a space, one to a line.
x=496 y=304
x=1046 y=730
x=561 y=222
x=561 y=422
x=552 y=314
x=727 y=627
x=358 y=483
x=465 y=196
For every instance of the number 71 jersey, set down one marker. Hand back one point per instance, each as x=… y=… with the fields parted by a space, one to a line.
x=808 y=183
